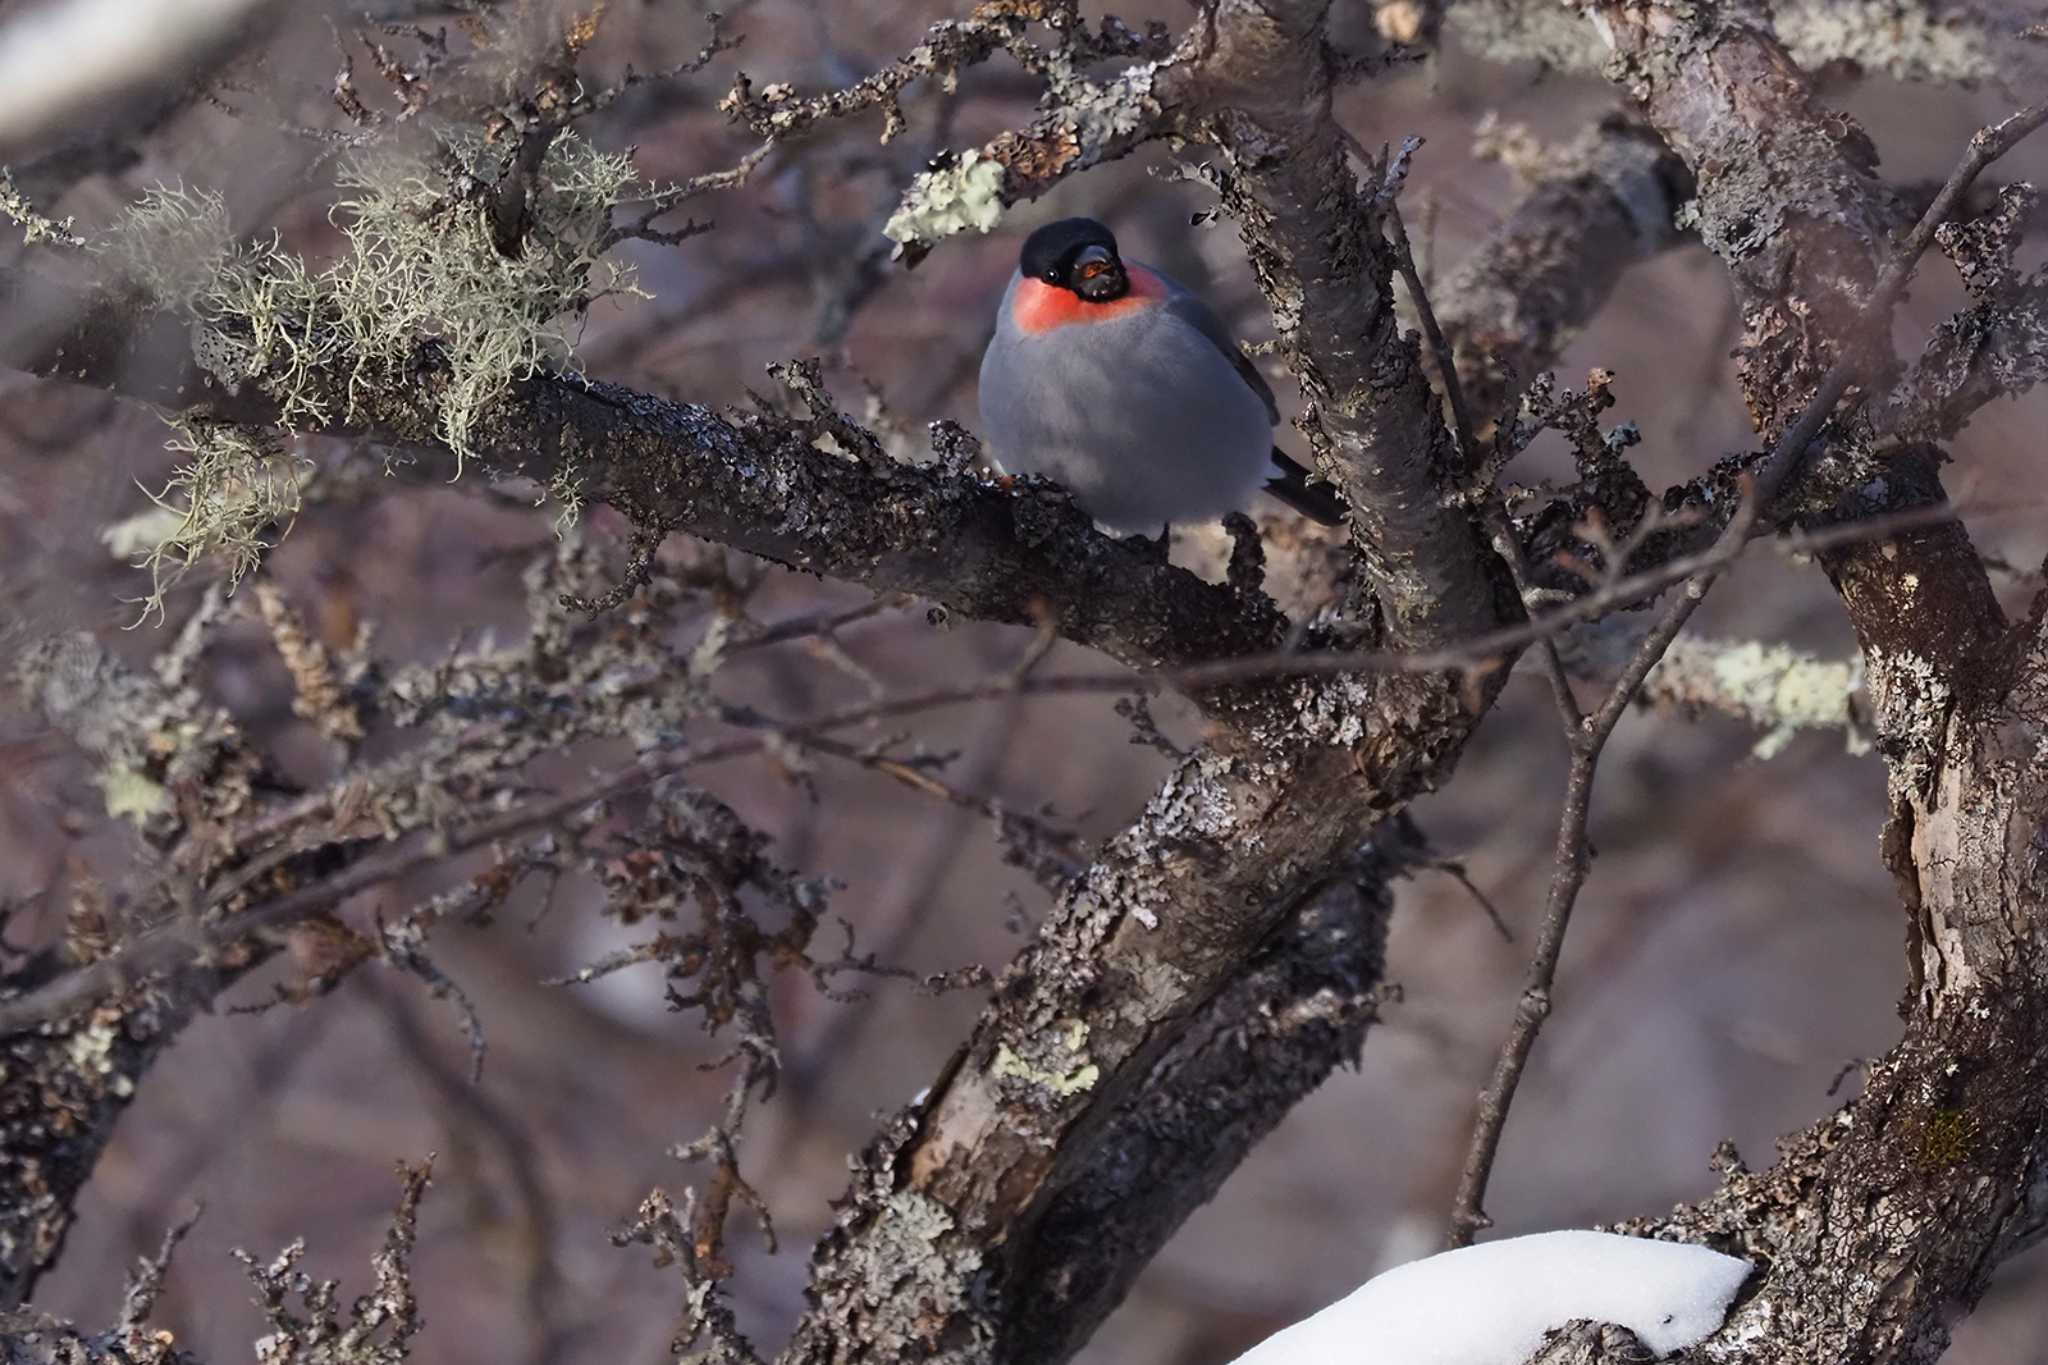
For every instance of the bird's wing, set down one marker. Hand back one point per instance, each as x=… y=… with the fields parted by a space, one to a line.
x=1291 y=483
x=1188 y=307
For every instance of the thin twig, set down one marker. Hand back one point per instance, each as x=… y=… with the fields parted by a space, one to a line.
x=1455 y=870
x=818 y=623
x=1573 y=854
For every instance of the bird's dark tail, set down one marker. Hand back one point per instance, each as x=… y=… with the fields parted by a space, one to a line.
x=1305 y=493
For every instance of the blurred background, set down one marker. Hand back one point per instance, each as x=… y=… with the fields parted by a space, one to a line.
x=1738 y=946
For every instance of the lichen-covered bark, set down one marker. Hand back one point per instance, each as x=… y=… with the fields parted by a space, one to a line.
x=939 y=1228
x=62 y=1089
x=1880 y=1225
x=1946 y=42
x=1271 y=1037
x=1790 y=200
x=169 y=765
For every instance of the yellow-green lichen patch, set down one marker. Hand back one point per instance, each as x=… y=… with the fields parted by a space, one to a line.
x=132 y=795
x=1780 y=690
x=1071 y=1038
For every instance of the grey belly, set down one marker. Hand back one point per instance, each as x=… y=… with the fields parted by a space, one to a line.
x=1144 y=422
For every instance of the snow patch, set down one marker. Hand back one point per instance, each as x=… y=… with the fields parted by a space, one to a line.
x=1492 y=1304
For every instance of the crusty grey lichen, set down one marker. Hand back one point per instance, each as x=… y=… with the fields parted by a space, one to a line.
x=1762 y=177
x=1919 y=40
x=1944 y=42
x=928 y=1271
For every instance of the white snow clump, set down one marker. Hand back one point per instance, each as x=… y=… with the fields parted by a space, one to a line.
x=1492 y=1304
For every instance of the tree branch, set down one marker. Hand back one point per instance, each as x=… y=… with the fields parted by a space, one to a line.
x=1513 y=305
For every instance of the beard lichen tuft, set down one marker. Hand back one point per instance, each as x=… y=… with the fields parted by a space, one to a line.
x=171 y=244
x=237 y=483
x=421 y=298
x=422 y=265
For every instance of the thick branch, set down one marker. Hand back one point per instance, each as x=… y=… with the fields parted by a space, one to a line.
x=760 y=484
x=1790 y=200
x=932 y=1242
x=1876 y=1224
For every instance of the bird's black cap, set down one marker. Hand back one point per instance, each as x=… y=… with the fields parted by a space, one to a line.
x=1048 y=251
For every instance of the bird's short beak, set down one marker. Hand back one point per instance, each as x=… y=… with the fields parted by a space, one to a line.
x=1099 y=276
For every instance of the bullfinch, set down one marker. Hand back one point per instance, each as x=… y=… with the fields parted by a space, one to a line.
x=1109 y=377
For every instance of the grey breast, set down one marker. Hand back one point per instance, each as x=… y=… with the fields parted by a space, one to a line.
x=1142 y=416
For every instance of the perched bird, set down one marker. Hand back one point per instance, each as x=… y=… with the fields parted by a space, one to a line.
x=1112 y=379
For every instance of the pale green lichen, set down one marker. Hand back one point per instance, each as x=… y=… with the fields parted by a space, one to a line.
x=422 y=265
x=1553 y=36
x=1947 y=44
x=141 y=533
x=1779 y=689
x=171 y=243
x=264 y=317
x=952 y=199
x=1906 y=41
x=565 y=486
x=131 y=794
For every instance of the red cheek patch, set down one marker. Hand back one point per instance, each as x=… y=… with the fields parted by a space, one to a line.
x=1040 y=307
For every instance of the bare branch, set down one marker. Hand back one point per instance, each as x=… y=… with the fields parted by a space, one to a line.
x=1599 y=206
